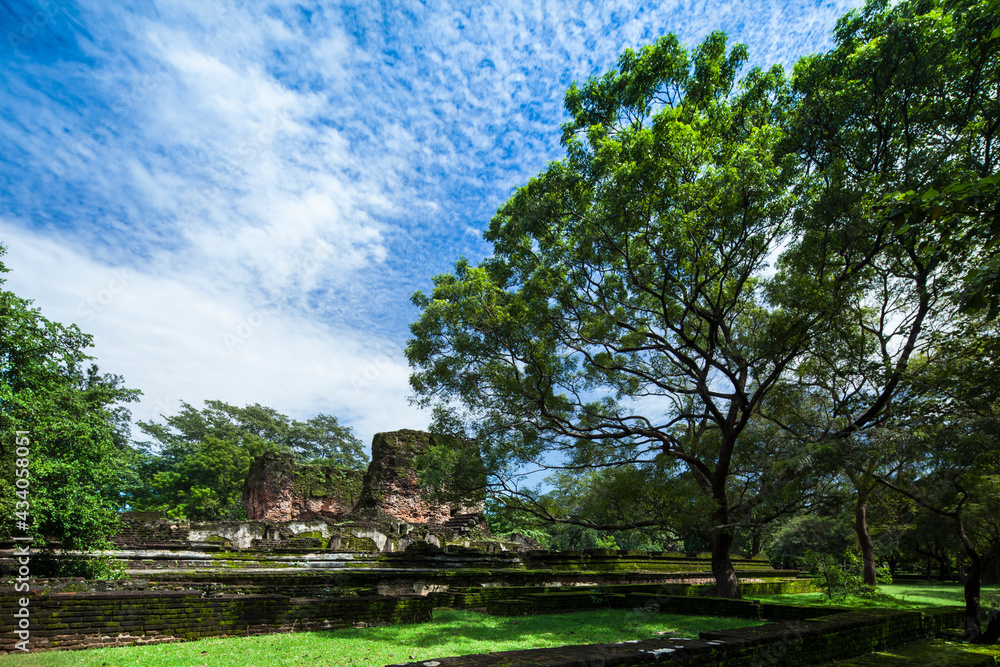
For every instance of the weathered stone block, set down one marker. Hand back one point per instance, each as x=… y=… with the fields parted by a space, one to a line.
x=278 y=490
x=391 y=485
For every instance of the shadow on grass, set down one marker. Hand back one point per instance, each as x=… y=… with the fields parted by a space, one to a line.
x=459 y=627
x=452 y=632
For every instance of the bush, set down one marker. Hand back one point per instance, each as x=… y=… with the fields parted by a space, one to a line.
x=48 y=564
x=842 y=579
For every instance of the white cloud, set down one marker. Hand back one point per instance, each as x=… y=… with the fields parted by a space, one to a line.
x=321 y=160
x=176 y=342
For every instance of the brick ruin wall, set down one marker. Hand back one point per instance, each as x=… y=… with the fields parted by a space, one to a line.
x=120 y=618
x=277 y=490
x=391 y=483
x=401 y=499
x=810 y=636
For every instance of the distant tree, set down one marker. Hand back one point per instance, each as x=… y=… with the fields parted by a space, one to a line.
x=197 y=460
x=77 y=427
x=807 y=534
x=647 y=507
x=956 y=476
x=323 y=439
x=658 y=504
x=945 y=437
x=932 y=539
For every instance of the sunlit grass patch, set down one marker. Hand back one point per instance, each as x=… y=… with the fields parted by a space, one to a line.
x=451 y=632
x=904 y=595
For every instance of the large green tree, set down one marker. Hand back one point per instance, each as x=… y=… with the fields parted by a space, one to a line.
x=964 y=209
x=197 y=460
x=628 y=312
x=74 y=419
x=906 y=102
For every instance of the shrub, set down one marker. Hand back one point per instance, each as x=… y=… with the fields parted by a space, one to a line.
x=842 y=579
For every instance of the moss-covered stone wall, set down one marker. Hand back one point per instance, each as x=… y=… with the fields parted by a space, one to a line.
x=84 y=620
x=276 y=489
x=150 y=530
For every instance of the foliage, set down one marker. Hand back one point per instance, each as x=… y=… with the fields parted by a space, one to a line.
x=810 y=536
x=582 y=497
x=435 y=465
x=321 y=440
x=48 y=563
x=628 y=312
x=968 y=213
x=504 y=521
x=841 y=579
x=77 y=428
x=625 y=313
x=197 y=462
x=905 y=101
x=945 y=436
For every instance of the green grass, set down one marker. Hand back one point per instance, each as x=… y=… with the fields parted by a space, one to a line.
x=450 y=633
x=905 y=595
x=938 y=593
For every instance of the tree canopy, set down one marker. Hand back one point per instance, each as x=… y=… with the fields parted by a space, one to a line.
x=625 y=313
x=197 y=461
x=80 y=465
x=715 y=254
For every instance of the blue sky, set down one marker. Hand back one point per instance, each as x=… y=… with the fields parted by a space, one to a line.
x=238 y=198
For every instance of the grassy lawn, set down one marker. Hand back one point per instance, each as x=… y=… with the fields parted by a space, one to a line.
x=450 y=633
x=938 y=593
x=909 y=594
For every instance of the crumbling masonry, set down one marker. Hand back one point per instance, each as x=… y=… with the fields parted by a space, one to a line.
x=278 y=490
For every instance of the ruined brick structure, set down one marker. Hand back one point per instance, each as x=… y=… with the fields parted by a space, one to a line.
x=278 y=490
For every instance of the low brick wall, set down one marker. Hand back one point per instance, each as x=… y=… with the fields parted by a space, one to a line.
x=556 y=602
x=116 y=618
x=672 y=598
x=519 y=600
x=788 y=644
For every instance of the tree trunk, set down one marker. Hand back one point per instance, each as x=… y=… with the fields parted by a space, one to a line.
x=973 y=586
x=865 y=539
x=944 y=574
x=726 y=583
x=893 y=563
x=973 y=627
